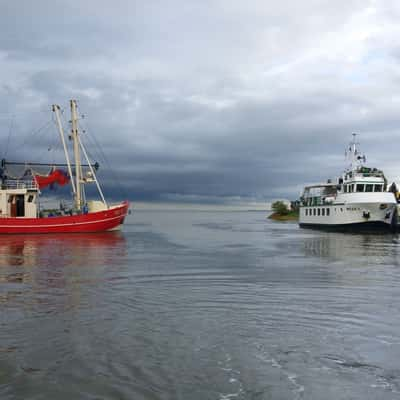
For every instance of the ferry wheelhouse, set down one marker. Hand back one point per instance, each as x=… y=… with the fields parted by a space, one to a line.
x=20 y=210
x=357 y=200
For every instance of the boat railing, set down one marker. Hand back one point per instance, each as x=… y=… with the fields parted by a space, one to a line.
x=317 y=200
x=369 y=174
x=19 y=184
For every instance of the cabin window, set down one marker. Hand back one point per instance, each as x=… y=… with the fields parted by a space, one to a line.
x=327 y=212
x=345 y=188
x=315 y=211
x=368 y=188
x=378 y=188
x=350 y=188
x=30 y=198
x=306 y=212
x=319 y=211
x=360 y=188
x=323 y=212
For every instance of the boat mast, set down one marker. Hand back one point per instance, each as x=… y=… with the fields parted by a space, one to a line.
x=93 y=173
x=354 y=155
x=56 y=110
x=75 y=138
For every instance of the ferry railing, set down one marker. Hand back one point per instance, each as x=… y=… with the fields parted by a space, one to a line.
x=375 y=174
x=313 y=201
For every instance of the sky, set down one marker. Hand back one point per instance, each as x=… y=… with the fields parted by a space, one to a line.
x=213 y=101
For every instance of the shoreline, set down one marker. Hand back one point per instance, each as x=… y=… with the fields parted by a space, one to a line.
x=292 y=216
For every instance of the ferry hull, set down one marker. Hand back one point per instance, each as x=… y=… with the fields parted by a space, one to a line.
x=353 y=213
x=100 y=221
x=365 y=227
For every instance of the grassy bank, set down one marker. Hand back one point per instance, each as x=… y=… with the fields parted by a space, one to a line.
x=290 y=216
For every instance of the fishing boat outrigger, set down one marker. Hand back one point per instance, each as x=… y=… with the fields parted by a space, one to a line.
x=19 y=196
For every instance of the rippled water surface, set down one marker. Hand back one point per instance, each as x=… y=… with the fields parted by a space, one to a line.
x=200 y=305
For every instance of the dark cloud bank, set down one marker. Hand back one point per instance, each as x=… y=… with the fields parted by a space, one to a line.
x=208 y=101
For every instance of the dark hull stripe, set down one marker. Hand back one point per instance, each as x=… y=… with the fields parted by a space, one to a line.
x=372 y=226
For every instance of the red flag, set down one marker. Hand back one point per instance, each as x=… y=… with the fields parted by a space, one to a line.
x=57 y=176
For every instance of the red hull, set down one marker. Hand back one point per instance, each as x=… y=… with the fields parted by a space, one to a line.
x=92 y=222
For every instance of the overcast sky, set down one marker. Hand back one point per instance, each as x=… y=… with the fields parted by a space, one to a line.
x=207 y=101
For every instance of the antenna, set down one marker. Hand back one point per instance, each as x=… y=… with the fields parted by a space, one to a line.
x=355 y=156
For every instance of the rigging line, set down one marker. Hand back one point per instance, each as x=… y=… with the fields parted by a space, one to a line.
x=99 y=147
x=103 y=155
x=30 y=135
x=26 y=137
x=9 y=136
x=46 y=149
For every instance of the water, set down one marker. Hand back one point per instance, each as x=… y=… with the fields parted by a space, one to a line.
x=200 y=305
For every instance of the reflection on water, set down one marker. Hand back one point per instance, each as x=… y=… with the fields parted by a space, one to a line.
x=58 y=249
x=34 y=263
x=343 y=246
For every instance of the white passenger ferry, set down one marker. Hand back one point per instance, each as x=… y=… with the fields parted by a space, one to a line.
x=357 y=200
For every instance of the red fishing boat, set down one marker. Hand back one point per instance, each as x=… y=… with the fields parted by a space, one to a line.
x=20 y=210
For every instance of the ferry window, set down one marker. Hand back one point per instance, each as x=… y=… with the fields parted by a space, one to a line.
x=378 y=188
x=30 y=198
x=368 y=188
x=327 y=211
x=360 y=188
x=315 y=212
x=345 y=188
x=350 y=188
x=323 y=212
x=319 y=211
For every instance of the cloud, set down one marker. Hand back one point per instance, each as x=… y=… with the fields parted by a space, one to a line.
x=207 y=100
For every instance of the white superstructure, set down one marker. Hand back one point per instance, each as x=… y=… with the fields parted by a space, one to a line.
x=357 y=200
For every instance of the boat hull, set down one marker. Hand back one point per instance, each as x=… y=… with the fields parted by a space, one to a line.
x=378 y=212
x=100 y=221
x=372 y=226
